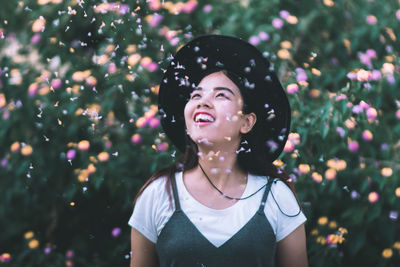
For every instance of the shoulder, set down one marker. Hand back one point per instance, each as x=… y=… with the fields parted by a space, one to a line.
x=158 y=185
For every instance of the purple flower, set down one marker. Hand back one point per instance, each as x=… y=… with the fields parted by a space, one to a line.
x=207 y=8
x=116 y=231
x=284 y=14
x=47 y=250
x=366 y=60
x=376 y=75
x=334 y=61
x=357 y=109
x=69 y=254
x=354 y=194
x=393 y=215
x=277 y=23
x=71 y=154
x=155 y=20
x=263 y=36
x=371 y=53
x=384 y=146
x=35 y=38
x=390 y=79
x=254 y=40
x=3 y=162
x=341 y=131
x=352 y=75
x=301 y=77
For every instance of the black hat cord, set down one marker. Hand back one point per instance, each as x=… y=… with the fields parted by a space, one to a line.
x=235 y=198
x=225 y=195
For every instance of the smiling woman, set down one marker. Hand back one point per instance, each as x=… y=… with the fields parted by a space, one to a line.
x=223 y=203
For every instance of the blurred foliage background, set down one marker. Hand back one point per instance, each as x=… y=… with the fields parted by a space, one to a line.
x=79 y=130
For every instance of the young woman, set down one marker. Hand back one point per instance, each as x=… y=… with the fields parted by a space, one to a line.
x=223 y=203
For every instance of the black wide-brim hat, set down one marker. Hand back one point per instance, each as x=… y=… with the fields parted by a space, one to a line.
x=261 y=90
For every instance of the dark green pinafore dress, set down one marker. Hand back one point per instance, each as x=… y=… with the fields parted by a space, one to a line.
x=181 y=244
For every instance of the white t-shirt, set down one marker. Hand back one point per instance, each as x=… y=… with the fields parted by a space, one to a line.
x=153 y=210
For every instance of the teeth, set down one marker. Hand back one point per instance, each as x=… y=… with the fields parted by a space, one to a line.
x=203 y=117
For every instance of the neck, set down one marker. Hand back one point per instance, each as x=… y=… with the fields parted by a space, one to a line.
x=220 y=165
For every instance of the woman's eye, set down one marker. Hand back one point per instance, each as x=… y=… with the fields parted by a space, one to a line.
x=222 y=94
x=193 y=96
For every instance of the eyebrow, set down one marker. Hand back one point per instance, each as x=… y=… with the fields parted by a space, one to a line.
x=218 y=88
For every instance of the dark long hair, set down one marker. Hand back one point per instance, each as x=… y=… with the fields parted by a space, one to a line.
x=250 y=160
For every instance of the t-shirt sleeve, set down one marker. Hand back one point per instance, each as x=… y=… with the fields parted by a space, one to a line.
x=288 y=214
x=143 y=217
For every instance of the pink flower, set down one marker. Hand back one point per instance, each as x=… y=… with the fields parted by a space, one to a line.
x=263 y=36
x=207 y=8
x=371 y=53
x=189 y=6
x=353 y=146
x=301 y=77
x=284 y=14
x=155 y=20
x=367 y=135
x=371 y=113
x=136 y=139
x=174 y=41
x=289 y=146
x=390 y=79
x=32 y=89
x=154 y=123
x=398 y=114
x=254 y=40
x=340 y=97
x=398 y=14
x=292 y=88
x=71 y=154
x=357 y=109
x=371 y=19
x=376 y=75
x=352 y=75
x=277 y=23
x=112 y=68
x=366 y=60
x=69 y=254
x=116 y=231
x=364 y=105
x=56 y=83
x=162 y=147
x=35 y=38
x=152 y=66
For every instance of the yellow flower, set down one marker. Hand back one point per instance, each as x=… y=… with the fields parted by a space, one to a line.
x=343 y=230
x=323 y=220
x=15 y=147
x=387 y=253
x=28 y=235
x=330 y=174
x=292 y=19
x=316 y=72
x=397 y=192
x=314 y=232
x=83 y=145
x=91 y=168
x=26 y=150
x=316 y=177
x=39 y=24
x=386 y=172
x=396 y=245
x=304 y=168
x=33 y=244
x=286 y=44
x=283 y=54
x=329 y=3
x=3 y=101
x=103 y=156
x=332 y=224
x=133 y=59
x=321 y=240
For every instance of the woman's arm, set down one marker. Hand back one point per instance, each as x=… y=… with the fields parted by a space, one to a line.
x=291 y=251
x=143 y=251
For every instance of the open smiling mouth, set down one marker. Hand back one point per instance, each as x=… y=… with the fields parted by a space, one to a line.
x=203 y=119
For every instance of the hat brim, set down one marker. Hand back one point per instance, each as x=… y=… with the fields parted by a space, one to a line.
x=218 y=52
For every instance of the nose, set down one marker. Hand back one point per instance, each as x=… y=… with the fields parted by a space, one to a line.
x=205 y=101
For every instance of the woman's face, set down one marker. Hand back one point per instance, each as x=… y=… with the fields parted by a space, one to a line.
x=213 y=113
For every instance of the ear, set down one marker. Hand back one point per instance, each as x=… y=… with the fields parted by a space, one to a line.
x=248 y=122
